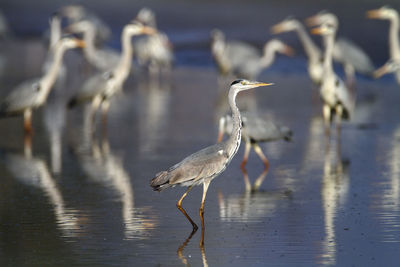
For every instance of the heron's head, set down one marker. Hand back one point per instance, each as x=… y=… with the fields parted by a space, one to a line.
x=73 y=12
x=69 y=42
x=325 y=29
x=276 y=45
x=321 y=18
x=242 y=84
x=389 y=67
x=384 y=12
x=217 y=35
x=79 y=27
x=55 y=17
x=137 y=28
x=147 y=17
x=288 y=24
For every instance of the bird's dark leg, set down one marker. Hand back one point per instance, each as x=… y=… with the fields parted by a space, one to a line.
x=246 y=154
x=326 y=112
x=259 y=152
x=205 y=188
x=28 y=122
x=179 y=205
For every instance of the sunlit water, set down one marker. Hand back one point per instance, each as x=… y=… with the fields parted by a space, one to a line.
x=76 y=199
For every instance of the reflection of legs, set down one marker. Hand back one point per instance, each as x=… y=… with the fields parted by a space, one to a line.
x=339 y=113
x=260 y=179
x=205 y=188
x=179 y=205
x=105 y=106
x=246 y=154
x=326 y=112
x=180 y=249
x=259 y=152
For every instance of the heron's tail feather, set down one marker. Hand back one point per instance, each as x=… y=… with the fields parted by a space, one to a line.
x=161 y=181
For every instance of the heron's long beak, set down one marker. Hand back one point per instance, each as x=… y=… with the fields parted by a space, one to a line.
x=317 y=30
x=373 y=14
x=312 y=21
x=380 y=72
x=258 y=84
x=277 y=28
x=80 y=43
x=148 y=30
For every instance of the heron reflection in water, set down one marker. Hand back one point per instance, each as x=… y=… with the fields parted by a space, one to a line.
x=103 y=166
x=205 y=165
x=334 y=193
x=253 y=204
x=33 y=171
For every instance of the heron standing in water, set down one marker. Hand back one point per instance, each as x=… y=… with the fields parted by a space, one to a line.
x=100 y=88
x=336 y=96
x=203 y=166
x=255 y=130
x=33 y=94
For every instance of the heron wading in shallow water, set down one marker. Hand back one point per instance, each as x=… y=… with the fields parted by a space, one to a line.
x=206 y=164
x=255 y=130
x=33 y=93
x=100 y=88
x=337 y=98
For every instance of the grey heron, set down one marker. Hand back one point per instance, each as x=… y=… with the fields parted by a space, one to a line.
x=255 y=129
x=205 y=165
x=99 y=88
x=33 y=93
x=336 y=96
x=101 y=58
x=75 y=13
x=387 y=13
x=350 y=55
x=154 y=51
x=242 y=59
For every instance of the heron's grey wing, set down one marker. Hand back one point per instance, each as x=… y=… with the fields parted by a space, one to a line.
x=22 y=97
x=260 y=129
x=239 y=52
x=106 y=58
x=205 y=163
x=346 y=51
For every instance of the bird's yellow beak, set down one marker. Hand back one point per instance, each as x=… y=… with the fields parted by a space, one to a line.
x=80 y=43
x=317 y=30
x=258 y=84
x=380 y=72
x=220 y=136
x=373 y=14
x=148 y=30
x=277 y=28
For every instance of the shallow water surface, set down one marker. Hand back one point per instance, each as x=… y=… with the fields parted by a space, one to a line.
x=77 y=199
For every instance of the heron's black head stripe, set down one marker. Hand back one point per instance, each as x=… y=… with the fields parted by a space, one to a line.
x=236 y=81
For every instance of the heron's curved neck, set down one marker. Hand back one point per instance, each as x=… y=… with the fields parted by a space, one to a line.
x=235 y=137
x=394 y=46
x=329 y=41
x=55 y=32
x=311 y=49
x=125 y=61
x=51 y=75
x=268 y=56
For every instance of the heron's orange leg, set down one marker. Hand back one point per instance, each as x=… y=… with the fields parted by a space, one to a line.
x=260 y=179
x=28 y=121
x=105 y=106
x=179 y=205
x=205 y=188
x=326 y=112
x=246 y=154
